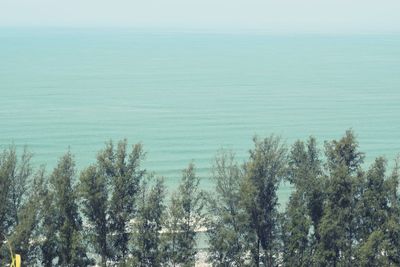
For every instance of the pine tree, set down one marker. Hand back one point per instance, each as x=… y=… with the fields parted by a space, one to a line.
x=296 y=230
x=15 y=175
x=7 y=167
x=379 y=230
x=71 y=251
x=373 y=207
x=124 y=173
x=48 y=225
x=392 y=234
x=337 y=214
x=264 y=172
x=185 y=217
x=371 y=251
x=170 y=238
x=21 y=176
x=338 y=224
x=149 y=223
x=227 y=218
x=305 y=174
x=94 y=195
x=26 y=235
x=305 y=207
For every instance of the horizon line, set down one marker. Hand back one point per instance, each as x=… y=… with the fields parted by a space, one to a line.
x=230 y=31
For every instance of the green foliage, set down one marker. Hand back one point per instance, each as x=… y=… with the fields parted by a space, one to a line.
x=338 y=224
x=344 y=153
x=185 y=217
x=392 y=233
x=27 y=233
x=337 y=214
x=296 y=230
x=227 y=218
x=392 y=236
x=68 y=223
x=20 y=182
x=124 y=174
x=48 y=226
x=373 y=206
x=305 y=208
x=94 y=197
x=265 y=170
x=149 y=223
x=371 y=252
x=305 y=174
x=7 y=167
x=15 y=175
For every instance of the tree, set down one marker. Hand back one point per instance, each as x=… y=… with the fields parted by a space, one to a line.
x=172 y=231
x=185 y=218
x=305 y=207
x=227 y=218
x=344 y=153
x=264 y=171
x=338 y=224
x=7 y=167
x=94 y=195
x=20 y=180
x=149 y=223
x=15 y=175
x=371 y=251
x=392 y=233
x=124 y=174
x=296 y=230
x=26 y=235
x=337 y=214
x=373 y=207
x=68 y=224
x=48 y=226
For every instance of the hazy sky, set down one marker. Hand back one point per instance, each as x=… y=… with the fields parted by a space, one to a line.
x=360 y=16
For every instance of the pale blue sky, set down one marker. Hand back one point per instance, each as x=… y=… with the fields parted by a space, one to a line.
x=337 y=16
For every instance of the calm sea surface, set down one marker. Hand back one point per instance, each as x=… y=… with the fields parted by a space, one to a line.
x=186 y=95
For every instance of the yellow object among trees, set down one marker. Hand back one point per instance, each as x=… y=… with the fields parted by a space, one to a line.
x=15 y=258
x=16 y=261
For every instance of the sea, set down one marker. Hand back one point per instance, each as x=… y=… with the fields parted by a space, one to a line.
x=185 y=95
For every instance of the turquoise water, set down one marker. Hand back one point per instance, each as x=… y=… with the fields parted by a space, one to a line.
x=186 y=95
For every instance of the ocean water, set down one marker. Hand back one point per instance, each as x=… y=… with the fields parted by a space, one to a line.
x=185 y=95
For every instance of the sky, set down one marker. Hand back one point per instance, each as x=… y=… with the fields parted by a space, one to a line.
x=313 y=16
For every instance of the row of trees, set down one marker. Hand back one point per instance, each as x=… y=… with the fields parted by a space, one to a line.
x=115 y=213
